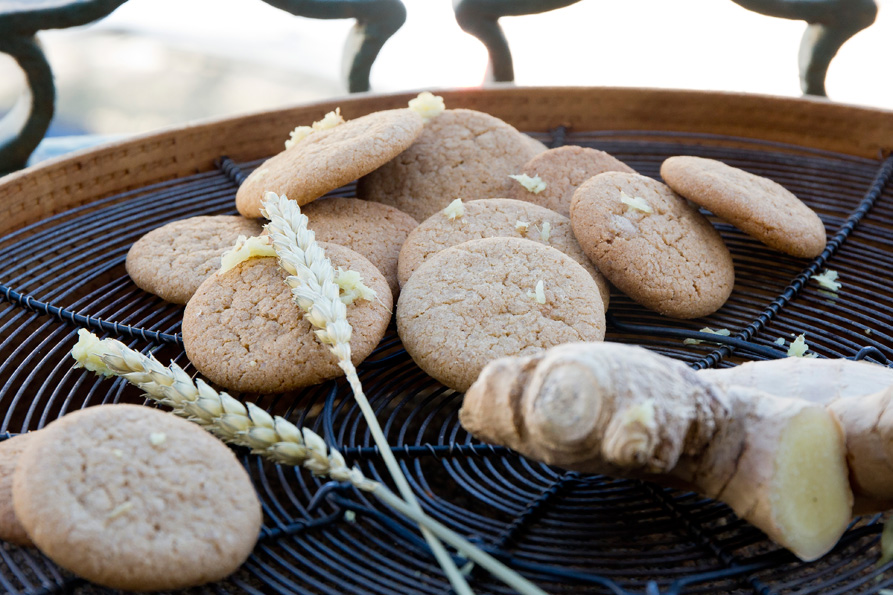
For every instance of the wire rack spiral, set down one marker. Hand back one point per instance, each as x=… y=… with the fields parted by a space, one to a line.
x=571 y=533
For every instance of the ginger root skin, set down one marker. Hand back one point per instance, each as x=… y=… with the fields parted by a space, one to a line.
x=859 y=393
x=624 y=411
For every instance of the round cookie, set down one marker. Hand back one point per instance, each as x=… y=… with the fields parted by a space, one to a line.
x=328 y=159
x=478 y=301
x=133 y=498
x=671 y=260
x=173 y=260
x=11 y=529
x=563 y=170
x=243 y=331
x=460 y=154
x=495 y=217
x=759 y=207
x=375 y=230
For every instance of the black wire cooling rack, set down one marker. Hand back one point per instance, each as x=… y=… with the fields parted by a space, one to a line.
x=570 y=533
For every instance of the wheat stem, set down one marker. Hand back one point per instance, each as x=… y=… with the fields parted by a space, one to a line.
x=312 y=282
x=270 y=436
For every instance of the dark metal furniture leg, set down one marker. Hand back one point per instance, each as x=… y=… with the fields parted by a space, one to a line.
x=481 y=19
x=831 y=24
x=376 y=22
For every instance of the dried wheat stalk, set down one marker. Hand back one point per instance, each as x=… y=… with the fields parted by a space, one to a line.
x=270 y=436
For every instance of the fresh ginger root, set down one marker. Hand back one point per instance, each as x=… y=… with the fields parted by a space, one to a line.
x=860 y=393
x=624 y=411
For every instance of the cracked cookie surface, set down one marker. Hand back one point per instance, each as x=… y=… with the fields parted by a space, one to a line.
x=758 y=206
x=328 y=159
x=173 y=260
x=375 y=230
x=134 y=498
x=495 y=217
x=243 y=331
x=480 y=300
x=670 y=260
x=460 y=154
x=563 y=170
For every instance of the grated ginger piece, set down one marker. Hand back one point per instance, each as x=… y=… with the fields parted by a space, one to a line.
x=538 y=293
x=635 y=203
x=157 y=438
x=522 y=226
x=245 y=248
x=297 y=135
x=352 y=288
x=780 y=341
x=534 y=185
x=427 y=105
x=799 y=347
x=828 y=280
x=330 y=120
x=455 y=209
x=722 y=331
x=546 y=231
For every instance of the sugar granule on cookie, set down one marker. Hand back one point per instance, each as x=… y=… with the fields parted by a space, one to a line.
x=428 y=105
x=534 y=185
x=455 y=209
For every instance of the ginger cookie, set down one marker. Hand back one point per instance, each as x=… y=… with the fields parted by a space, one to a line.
x=495 y=217
x=493 y=297
x=375 y=230
x=243 y=331
x=173 y=260
x=460 y=154
x=758 y=206
x=562 y=170
x=652 y=244
x=328 y=159
x=11 y=529
x=132 y=498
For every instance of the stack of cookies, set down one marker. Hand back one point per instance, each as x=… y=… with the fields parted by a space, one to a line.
x=490 y=244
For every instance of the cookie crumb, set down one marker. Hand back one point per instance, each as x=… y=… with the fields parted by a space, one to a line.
x=455 y=209
x=521 y=226
x=119 y=510
x=297 y=135
x=427 y=105
x=538 y=293
x=245 y=248
x=635 y=203
x=828 y=280
x=534 y=185
x=157 y=438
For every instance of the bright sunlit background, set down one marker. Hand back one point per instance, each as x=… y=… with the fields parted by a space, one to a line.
x=155 y=63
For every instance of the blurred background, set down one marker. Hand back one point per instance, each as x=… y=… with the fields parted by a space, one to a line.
x=156 y=63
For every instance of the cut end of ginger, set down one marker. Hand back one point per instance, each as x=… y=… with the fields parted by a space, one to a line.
x=810 y=494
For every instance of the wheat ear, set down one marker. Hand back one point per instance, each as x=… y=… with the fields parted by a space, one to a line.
x=312 y=282
x=273 y=437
